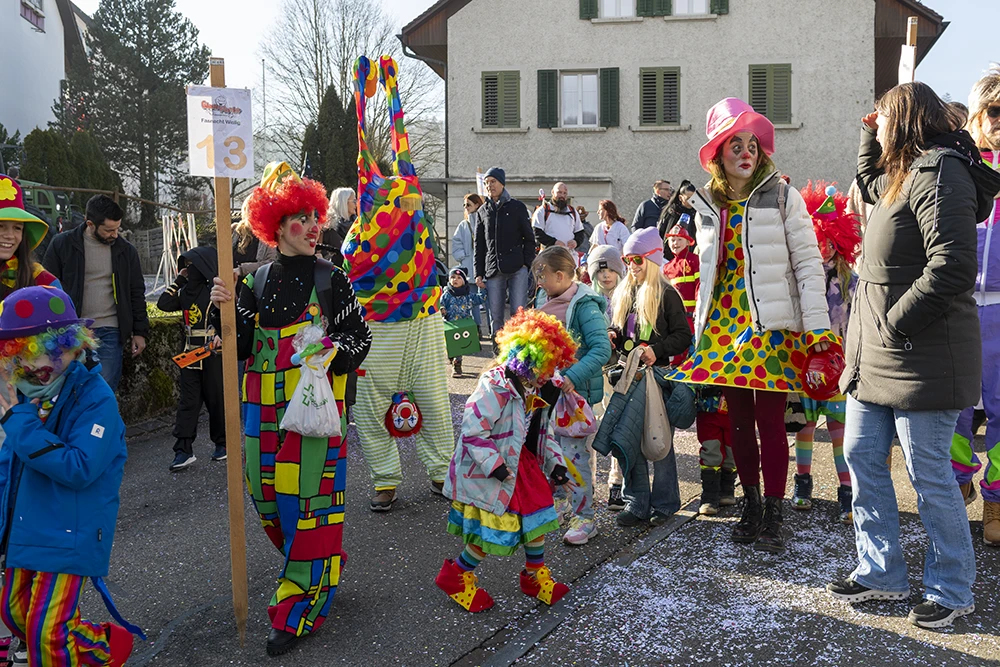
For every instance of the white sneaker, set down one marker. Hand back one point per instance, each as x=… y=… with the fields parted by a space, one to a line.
x=580 y=531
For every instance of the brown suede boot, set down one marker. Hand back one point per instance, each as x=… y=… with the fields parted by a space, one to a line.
x=968 y=492
x=991 y=523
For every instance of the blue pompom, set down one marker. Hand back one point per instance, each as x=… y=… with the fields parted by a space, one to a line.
x=830 y=191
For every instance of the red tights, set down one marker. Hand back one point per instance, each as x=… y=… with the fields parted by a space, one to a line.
x=766 y=409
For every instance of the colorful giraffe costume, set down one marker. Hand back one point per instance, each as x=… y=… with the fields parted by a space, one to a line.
x=390 y=250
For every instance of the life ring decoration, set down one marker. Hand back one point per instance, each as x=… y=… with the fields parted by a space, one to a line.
x=403 y=417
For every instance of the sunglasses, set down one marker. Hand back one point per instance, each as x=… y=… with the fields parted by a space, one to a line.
x=637 y=259
x=993 y=112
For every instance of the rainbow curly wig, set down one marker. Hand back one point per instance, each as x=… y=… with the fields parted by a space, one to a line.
x=282 y=193
x=14 y=352
x=534 y=345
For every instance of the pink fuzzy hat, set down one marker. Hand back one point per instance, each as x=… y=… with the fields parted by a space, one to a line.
x=732 y=116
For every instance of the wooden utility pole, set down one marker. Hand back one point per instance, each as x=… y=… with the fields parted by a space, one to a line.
x=231 y=389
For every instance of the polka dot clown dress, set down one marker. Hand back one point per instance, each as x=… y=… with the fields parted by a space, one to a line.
x=730 y=352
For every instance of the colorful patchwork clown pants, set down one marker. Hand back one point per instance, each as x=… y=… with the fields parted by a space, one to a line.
x=964 y=461
x=297 y=483
x=43 y=610
x=405 y=356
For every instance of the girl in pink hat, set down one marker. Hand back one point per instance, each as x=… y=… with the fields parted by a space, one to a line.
x=761 y=305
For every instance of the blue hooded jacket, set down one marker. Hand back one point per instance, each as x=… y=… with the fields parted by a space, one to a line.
x=59 y=480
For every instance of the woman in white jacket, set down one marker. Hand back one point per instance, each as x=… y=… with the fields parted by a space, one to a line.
x=761 y=307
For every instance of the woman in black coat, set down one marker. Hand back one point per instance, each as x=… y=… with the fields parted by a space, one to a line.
x=913 y=348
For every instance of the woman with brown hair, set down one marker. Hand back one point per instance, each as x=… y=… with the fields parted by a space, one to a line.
x=913 y=346
x=612 y=231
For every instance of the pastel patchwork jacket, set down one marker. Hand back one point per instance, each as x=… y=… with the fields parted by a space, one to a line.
x=494 y=428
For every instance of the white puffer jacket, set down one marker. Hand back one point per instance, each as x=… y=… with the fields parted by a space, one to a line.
x=784 y=271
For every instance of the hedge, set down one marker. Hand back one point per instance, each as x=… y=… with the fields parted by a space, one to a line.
x=149 y=384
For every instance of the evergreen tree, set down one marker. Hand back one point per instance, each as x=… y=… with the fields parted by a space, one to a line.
x=143 y=54
x=48 y=159
x=330 y=143
x=10 y=149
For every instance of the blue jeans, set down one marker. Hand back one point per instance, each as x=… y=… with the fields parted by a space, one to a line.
x=109 y=354
x=949 y=565
x=497 y=289
x=665 y=496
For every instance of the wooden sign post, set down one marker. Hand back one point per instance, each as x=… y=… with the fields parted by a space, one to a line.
x=908 y=58
x=220 y=143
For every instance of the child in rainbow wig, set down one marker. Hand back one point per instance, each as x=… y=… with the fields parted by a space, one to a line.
x=65 y=448
x=498 y=479
x=839 y=236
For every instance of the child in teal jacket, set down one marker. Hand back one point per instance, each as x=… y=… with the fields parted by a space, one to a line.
x=577 y=307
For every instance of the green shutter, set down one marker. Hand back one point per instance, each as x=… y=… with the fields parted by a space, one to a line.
x=720 y=7
x=659 y=96
x=644 y=8
x=548 y=98
x=662 y=7
x=588 y=9
x=771 y=91
x=671 y=96
x=510 y=99
x=610 y=96
x=491 y=99
x=780 y=107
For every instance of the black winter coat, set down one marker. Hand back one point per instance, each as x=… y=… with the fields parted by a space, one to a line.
x=913 y=339
x=64 y=259
x=504 y=239
x=648 y=213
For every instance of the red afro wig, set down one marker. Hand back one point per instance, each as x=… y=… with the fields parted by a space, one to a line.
x=282 y=193
x=840 y=228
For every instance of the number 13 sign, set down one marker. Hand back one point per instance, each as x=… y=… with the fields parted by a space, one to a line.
x=220 y=132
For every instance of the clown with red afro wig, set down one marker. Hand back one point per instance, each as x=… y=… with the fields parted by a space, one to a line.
x=282 y=193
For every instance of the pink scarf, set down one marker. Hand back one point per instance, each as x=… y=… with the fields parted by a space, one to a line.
x=558 y=306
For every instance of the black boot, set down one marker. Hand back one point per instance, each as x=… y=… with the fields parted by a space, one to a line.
x=279 y=642
x=802 y=500
x=770 y=538
x=746 y=531
x=845 y=496
x=727 y=488
x=711 y=481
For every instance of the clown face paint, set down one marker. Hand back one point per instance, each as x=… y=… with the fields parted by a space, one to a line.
x=740 y=157
x=43 y=369
x=11 y=233
x=298 y=234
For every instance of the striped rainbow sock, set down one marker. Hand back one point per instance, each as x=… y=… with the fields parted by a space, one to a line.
x=470 y=558
x=534 y=555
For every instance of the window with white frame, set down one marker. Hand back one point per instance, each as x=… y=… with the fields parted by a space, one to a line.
x=617 y=8
x=579 y=99
x=690 y=7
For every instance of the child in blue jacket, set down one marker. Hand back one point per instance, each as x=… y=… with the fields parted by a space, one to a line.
x=458 y=302
x=61 y=467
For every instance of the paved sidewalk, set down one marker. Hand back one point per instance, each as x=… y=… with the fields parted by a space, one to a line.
x=680 y=594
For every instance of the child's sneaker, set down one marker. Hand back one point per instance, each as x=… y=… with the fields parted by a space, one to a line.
x=543 y=586
x=181 y=461
x=845 y=495
x=220 y=453
x=802 y=500
x=580 y=531
x=562 y=507
x=615 y=500
x=932 y=615
x=456 y=368
x=461 y=587
x=17 y=655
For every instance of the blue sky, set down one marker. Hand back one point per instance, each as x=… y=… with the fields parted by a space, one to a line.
x=953 y=65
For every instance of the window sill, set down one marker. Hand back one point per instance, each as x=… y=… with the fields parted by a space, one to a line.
x=660 y=128
x=500 y=130
x=692 y=17
x=788 y=126
x=579 y=129
x=618 y=19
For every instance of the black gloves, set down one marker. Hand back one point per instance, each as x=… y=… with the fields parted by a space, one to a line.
x=559 y=475
x=501 y=473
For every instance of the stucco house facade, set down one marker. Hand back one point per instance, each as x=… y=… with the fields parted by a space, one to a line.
x=38 y=40
x=611 y=95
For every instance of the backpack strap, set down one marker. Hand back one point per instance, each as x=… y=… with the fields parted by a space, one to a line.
x=782 y=195
x=259 y=280
x=322 y=277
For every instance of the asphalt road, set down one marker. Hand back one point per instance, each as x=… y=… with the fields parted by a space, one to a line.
x=681 y=594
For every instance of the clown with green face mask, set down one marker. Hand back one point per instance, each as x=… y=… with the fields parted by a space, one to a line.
x=64 y=447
